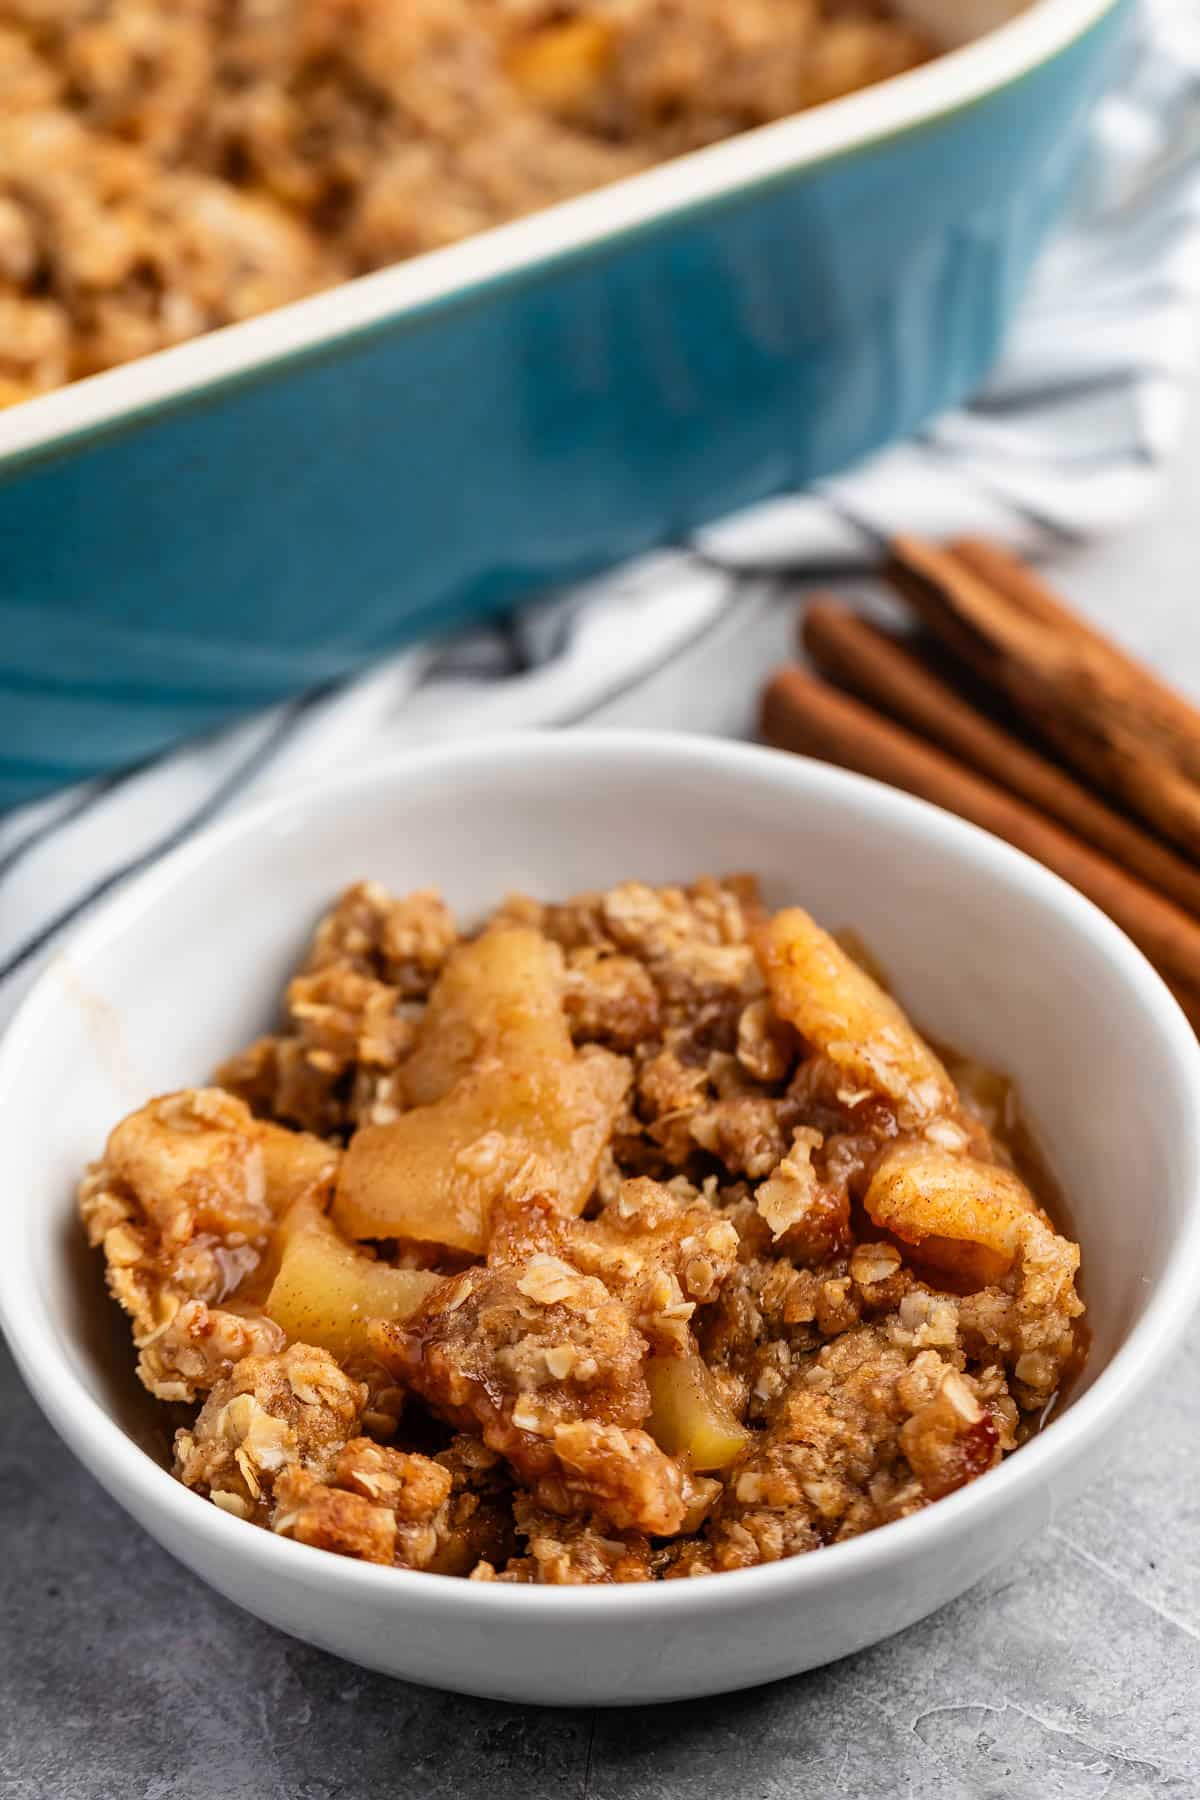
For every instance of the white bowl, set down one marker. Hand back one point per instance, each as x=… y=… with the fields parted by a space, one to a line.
x=989 y=951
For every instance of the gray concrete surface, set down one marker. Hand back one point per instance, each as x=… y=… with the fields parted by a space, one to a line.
x=1074 y=1675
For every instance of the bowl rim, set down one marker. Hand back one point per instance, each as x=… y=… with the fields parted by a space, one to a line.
x=254 y=350
x=125 y=1468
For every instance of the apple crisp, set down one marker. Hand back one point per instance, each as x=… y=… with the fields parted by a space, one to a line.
x=627 y=1239
x=168 y=166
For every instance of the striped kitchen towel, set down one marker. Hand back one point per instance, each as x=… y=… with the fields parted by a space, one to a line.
x=1067 y=440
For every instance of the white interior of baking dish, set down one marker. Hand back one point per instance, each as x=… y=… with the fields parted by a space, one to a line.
x=957 y=22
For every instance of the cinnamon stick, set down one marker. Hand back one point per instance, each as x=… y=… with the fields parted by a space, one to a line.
x=869 y=661
x=1113 y=721
x=1164 y=710
x=1161 y=712
x=803 y=713
x=1188 y=1006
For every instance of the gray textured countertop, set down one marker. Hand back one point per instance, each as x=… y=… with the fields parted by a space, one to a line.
x=1072 y=1675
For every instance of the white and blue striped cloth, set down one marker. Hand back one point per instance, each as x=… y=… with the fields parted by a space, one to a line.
x=1067 y=440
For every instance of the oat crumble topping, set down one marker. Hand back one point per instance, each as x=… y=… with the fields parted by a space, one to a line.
x=168 y=166
x=626 y=1239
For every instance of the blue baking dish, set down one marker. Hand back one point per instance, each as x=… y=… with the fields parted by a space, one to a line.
x=231 y=521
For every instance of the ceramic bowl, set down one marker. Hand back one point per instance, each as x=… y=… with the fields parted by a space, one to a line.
x=988 y=950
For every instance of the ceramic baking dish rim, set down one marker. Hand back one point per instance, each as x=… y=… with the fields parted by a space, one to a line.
x=325 y=323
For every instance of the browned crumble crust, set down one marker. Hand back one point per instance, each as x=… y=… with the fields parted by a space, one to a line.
x=293 y=1410
x=570 y=1552
x=803 y=1291
x=168 y=166
x=351 y=1014
x=546 y=1365
x=184 y=1204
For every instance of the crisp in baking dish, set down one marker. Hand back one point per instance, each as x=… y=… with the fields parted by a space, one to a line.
x=224 y=523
